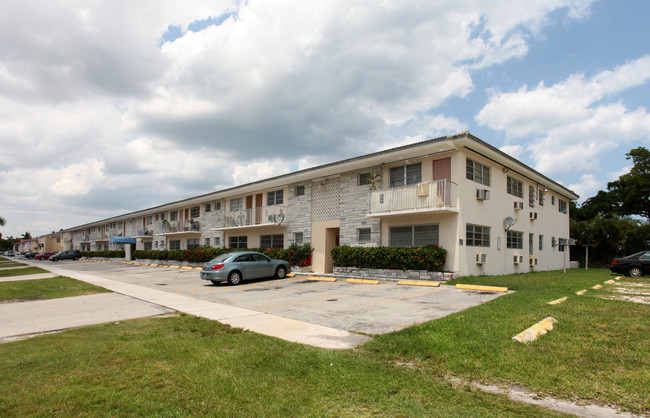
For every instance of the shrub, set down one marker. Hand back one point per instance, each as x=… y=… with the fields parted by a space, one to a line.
x=104 y=254
x=296 y=255
x=431 y=257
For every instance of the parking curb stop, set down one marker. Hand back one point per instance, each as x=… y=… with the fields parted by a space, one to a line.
x=418 y=283
x=481 y=288
x=532 y=333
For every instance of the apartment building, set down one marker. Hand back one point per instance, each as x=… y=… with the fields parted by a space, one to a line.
x=492 y=213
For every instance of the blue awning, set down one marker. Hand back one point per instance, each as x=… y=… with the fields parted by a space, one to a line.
x=122 y=240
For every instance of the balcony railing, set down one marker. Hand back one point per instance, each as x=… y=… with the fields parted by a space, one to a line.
x=182 y=225
x=431 y=196
x=267 y=215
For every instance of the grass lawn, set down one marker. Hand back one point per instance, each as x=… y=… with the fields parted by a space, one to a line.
x=598 y=350
x=41 y=289
x=21 y=271
x=183 y=365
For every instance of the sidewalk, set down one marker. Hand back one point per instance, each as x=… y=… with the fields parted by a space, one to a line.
x=271 y=325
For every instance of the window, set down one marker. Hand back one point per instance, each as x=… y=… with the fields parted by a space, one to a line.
x=515 y=239
x=477 y=235
x=173 y=216
x=298 y=237
x=272 y=241
x=531 y=196
x=195 y=212
x=155 y=244
x=206 y=242
x=147 y=245
x=414 y=236
x=208 y=207
x=561 y=244
x=515 y=187
x=553 y=200
x=363 y=234
x=149 y=220
x=162 y=216
x=156 y=218
x=364 y=179
x=562 y=205
x=300 y=190
x=540 y=197
x=217 y=242
x=275 y=198
x=192 y=243
x=405 y=175
x=236 y=204
x=541 y=242
x=217 y=206
x=238 y=242
x=531 y=243
x=477 y=172
x=175 y=244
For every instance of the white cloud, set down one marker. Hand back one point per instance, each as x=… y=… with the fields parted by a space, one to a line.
x=588 y=186
x=98 y=116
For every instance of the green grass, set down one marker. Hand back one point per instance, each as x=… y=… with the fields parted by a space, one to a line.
x=41 y=289
x=182 y=365
x=190 y=366
x=22 y=271
x=598 y=351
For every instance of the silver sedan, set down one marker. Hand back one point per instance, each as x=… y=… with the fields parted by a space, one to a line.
x=237 y=266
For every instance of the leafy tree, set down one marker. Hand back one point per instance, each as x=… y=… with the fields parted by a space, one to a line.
x=3 y=222
x=27 y=235
x=632 y=190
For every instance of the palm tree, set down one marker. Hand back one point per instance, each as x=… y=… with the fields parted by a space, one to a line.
x=2 y=221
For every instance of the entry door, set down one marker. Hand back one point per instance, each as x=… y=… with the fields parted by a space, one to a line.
x=258 y=208
x=442 y=171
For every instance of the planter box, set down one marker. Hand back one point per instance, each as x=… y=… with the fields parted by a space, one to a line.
x=387 y=274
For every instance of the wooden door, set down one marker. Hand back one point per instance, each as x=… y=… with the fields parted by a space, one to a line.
x=258 y=208
x=442 y=174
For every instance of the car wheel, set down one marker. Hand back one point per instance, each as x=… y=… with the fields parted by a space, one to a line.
x=76 y=259
x=635 y=272
x=54 y=259
x=280 y=272
x=234 y=278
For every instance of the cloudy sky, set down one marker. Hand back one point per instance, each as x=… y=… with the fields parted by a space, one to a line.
x=110 y=106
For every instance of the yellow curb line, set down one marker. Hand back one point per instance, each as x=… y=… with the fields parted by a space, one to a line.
x=481 y=288
x=363 y=281
x=531 y=334
x=174 y=267
x=153 y=265
x=597 y=287
x=617 y=278
x=291 y=275
x=557 y=301
x=322 y=279
x=582 y=292
x=610 y=282
x=198 y=268
x=187 y=268
x=416 y=283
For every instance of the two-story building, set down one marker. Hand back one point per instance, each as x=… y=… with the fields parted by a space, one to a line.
x=492 y=213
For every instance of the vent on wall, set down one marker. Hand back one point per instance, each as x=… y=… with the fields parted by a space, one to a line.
x=481 y=258
x=533 y=216
x=519 y=205
x=533 y=261
x=518 y=259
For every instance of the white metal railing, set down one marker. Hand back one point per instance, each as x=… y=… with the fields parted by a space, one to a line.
x=267 y=215
x=422 y=196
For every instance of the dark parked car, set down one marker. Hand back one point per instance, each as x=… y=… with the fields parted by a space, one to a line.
x=635 y=265
x=66 y=255
x=43 y=256
x=32 y=254
x=238 y=266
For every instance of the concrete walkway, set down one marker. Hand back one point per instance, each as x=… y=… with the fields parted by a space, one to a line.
x=272 y=325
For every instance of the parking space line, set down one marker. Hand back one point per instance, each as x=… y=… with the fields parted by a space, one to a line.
x=410 y=296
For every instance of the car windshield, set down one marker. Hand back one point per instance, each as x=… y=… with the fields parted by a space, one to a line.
x=221 y=258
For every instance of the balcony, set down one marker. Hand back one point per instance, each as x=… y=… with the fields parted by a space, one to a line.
x=98 y=237
x=180 y=227
x=247 y=218
x=429 y=197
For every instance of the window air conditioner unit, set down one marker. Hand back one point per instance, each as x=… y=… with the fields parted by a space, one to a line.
x=482 y=194
x=519 y=205
x=518 y=259
x=481 y=258
x=533 y=216
x=533 y=261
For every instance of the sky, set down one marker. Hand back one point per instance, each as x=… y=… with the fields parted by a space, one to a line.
x=112 y=106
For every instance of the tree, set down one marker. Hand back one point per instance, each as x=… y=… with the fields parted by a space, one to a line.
x=632 y=190
x=3 y=222
x=27 y=235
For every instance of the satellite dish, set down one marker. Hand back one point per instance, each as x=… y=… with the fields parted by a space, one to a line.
x=509 y=222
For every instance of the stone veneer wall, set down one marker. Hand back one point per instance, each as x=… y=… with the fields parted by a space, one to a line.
x=299 y=213
x=393 y=274
x=354 y=208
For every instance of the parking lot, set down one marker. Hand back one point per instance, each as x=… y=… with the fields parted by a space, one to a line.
x=371 y=309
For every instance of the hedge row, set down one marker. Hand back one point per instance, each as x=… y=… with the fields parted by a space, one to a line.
x=431 y=258
x=296 y=255
x=105 y=254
